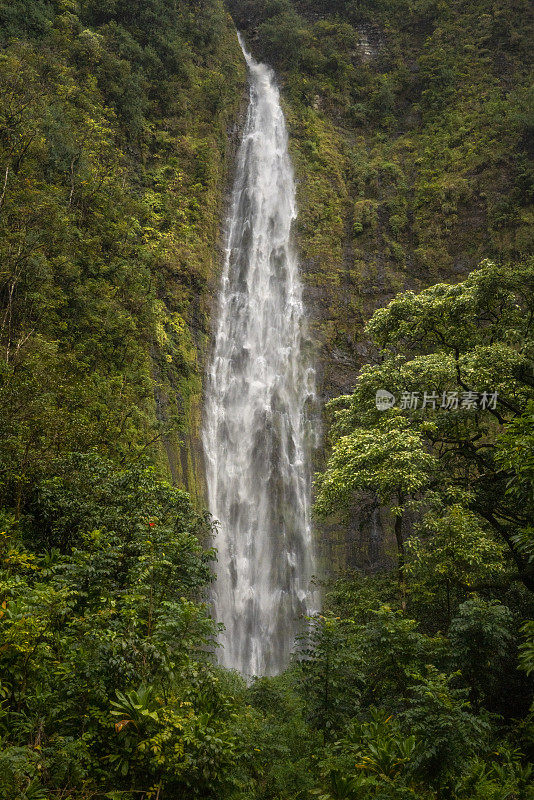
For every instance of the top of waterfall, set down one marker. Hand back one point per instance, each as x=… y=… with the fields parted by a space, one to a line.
x=252 y=64
x=259 y=71
x=248 y=57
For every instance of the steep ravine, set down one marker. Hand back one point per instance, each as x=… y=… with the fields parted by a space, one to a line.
x=404 y=178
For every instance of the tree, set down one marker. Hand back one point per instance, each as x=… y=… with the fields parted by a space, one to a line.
x=389 y=460
x=331 y=676
x=105 y=639
x=464 y=342
x=483 y=637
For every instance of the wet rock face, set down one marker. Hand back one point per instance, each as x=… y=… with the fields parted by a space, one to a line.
x=371 y=42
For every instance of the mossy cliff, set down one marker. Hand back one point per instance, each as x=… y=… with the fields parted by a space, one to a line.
x=412 y=137
x=116 y=125
x=411 y=128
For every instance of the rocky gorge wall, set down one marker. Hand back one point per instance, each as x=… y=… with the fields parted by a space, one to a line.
x=412 y=143
x=410 y=138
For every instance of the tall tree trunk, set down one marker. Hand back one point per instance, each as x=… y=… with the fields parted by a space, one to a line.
x=401 y=558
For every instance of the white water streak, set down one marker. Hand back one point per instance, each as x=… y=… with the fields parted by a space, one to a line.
x=261 y=386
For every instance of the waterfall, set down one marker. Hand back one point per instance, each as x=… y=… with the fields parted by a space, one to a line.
x=260 y=388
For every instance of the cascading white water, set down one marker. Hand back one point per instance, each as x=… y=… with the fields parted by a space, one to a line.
x=260 y=388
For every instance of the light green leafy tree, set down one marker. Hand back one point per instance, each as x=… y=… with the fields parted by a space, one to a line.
x=470 y=338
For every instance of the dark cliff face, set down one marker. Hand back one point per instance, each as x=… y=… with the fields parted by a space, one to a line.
x=411 y=139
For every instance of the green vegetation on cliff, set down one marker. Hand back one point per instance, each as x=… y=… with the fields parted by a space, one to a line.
x=412 y=128
x=114 y=157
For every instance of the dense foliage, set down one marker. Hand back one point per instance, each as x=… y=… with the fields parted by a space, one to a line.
x=103 y=635
x=418 y=689
x=411 y=132
x=455 y=469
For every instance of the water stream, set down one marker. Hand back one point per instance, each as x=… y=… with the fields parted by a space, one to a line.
x=260 y=388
